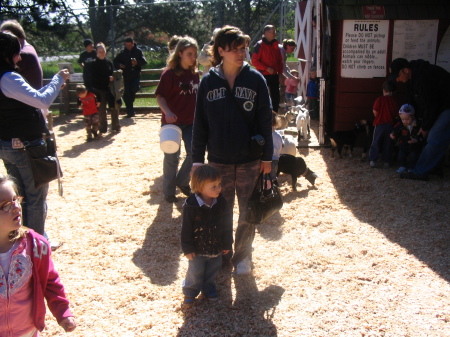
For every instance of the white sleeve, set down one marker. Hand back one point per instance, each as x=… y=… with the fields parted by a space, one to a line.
x=14 y=86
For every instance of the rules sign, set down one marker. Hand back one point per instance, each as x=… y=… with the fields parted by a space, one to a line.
x=364 y=48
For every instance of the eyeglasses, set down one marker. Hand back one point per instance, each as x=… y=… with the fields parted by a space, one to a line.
x=7 y=207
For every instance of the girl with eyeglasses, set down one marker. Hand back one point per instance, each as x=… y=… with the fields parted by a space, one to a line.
x=27 y=274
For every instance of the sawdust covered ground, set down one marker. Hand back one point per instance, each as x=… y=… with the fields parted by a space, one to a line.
x=361 y=254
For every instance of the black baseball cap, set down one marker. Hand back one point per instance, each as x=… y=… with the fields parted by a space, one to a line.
x=396 y=66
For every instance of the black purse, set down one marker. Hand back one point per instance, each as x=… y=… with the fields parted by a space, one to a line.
x=264 y=201
x=44 y=162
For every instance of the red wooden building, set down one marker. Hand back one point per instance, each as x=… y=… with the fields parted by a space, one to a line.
x=354 y=42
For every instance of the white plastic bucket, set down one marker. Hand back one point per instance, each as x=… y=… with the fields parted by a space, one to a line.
x=170 y=138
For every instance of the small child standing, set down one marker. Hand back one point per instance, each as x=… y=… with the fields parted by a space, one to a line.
x=312 y=94
x=291 y=87
x=277 y=140
x=409 y=142
x=206 y=234
x=385 y=111
x=27 y=274
x=88 y=102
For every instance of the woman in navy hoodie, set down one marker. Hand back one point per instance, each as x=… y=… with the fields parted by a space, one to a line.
x=233 y=104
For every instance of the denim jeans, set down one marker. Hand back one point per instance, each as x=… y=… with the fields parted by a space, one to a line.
x=130 y=88
x=438 y=141
x=17 y=164
x=240 y=179
x=172 y=178
x=201 y=276
x=407 y=159
x=382 y=142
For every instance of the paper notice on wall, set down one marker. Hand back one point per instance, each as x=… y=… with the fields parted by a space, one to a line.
x=443 y=56
x=415 y=40
x=364 y=48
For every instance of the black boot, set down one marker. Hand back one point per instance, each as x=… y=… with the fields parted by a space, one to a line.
x=311 y=177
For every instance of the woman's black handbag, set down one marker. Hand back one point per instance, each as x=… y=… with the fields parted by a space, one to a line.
x=264 y=201
x=44 y=162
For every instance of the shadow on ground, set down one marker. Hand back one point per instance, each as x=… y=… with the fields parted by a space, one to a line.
x=413 y=214
x=159 y=260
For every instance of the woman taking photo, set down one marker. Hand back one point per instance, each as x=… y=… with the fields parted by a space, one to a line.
x=176 y=94
x=233 y=105
x=22 y=125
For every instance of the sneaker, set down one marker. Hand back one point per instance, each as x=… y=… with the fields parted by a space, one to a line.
x=171 y=199
x=244 y=267
x=413 y=176
x=188 y=300
x=54 y=245
x=213 y=296
x=401 y=169
x=372 y=164
x=185 y=189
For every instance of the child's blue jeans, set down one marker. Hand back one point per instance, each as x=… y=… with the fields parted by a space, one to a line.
x=201 y=276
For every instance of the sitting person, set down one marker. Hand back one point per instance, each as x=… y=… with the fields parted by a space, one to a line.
x=406 y=132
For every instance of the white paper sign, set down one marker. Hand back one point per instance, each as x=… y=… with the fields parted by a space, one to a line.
x=364 y=48
x=443 y=56
x=415 y=39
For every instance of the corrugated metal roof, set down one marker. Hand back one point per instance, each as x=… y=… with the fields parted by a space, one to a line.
x=393 y=9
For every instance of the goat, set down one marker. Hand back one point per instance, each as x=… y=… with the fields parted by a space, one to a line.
x=284 y=120
x=288 y=146
x=341 y=139
x=303 y=122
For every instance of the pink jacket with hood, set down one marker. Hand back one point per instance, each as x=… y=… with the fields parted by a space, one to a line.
x=32 y=256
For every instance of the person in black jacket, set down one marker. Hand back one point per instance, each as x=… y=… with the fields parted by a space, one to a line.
x=206 y=233
x=98 y=76
x=233 y=105
x=130 y=60
x=429 y=91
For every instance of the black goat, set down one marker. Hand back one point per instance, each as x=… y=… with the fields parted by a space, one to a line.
x=344 y=139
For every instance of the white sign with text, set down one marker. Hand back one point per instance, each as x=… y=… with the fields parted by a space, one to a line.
x=364 y=48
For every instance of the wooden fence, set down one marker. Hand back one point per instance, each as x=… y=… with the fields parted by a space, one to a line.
x=67 y=100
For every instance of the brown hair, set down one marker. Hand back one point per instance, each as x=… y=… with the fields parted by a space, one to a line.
x=14 y=27
x=202 y=175
x=388 y=86
x=9 y=47
x=289 y=42
x=18 y=233
x=80 y=89
x=174 y=59
x=173 y=42
x=228 y=36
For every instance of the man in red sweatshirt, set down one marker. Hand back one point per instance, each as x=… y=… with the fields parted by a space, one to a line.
x=267 y=59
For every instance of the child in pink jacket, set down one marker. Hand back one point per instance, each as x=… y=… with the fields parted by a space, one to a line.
x=291 y=86
x=27 y=274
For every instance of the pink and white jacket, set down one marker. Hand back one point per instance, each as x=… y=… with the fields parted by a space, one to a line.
x=32 y=277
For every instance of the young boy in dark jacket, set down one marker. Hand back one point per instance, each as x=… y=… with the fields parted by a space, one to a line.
x=206 y=234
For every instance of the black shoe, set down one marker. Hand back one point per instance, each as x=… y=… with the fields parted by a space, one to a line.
x=185 y=189
x=413 y=176
x=171 y=198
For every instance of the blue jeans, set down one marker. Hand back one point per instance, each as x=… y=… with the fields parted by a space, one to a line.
x=407 y=159
x=201 y=276
x=17 y=164
x=381 y=142
x=438 y=141
x=130 y=88
x=172 y=178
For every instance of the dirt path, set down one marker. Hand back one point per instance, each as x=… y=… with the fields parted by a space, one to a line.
x=362 y=254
